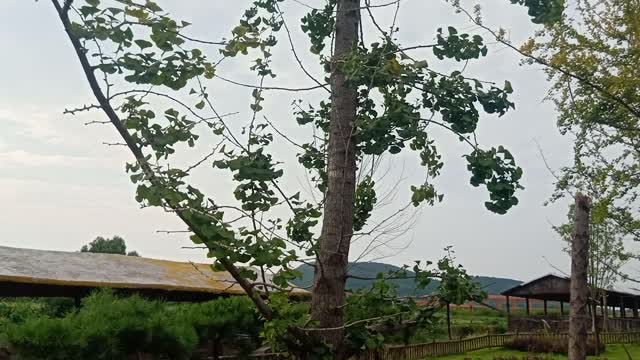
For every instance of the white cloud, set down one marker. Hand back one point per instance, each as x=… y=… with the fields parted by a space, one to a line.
x=36 y=125
x=21 y=158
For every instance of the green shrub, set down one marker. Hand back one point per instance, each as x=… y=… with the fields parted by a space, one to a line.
x=554 y=345
x=223 y=319
x=20 y=310
x=110 y=327
x=45 y=338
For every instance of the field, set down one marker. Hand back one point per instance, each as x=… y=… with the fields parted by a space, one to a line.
x=614 y=352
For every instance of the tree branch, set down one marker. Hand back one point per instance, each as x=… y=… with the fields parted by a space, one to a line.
x=262 y=307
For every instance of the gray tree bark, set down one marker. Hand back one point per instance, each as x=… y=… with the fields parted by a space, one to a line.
x=337 y=226
x=578 y=317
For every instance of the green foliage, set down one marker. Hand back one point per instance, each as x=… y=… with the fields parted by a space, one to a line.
x=225 y=320
x=543 y=11
x=114 y=245
x=560 y=345
x=497 y=170
x=109 y=327
x=456 y=286
x=319 y=25
x=593 y=69
x=459 y=47
x=364 y=200
x=20 y=310
x=46 y=338
x=399 y=101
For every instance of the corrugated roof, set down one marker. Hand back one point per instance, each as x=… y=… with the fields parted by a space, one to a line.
x=29 y=266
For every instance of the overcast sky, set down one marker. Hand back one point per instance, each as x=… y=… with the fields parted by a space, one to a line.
x=60 y=187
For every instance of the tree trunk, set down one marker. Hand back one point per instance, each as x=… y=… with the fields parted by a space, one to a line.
x=337 y=226
x=578 y=318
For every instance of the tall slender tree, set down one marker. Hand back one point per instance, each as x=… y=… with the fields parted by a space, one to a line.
x=383 y=99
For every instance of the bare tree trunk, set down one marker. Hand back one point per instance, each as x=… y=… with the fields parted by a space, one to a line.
x=337 y=226
x=578 y=318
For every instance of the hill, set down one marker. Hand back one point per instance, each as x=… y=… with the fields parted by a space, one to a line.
x=491 y=285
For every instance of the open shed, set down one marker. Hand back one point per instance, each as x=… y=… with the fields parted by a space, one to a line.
x=44 y=273
x=621 y=306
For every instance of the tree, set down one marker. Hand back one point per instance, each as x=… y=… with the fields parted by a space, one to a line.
x=606 y=256
x=115 y=245
x=579 y=285
x=382 y=100
x=456 y=286
x=591 y=56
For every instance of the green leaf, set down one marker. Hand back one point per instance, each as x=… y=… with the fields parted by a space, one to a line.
x=200 y=105
x=143 y=44
x=152 y=6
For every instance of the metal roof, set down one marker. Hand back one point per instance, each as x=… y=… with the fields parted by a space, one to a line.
x=26 y=269
x=557 y=288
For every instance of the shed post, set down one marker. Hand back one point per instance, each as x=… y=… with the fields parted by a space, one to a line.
x=508 y=314
x=561 y=307
x=545 y=307
x=613 y=310
x=623 y=311
x=635 y=308
x=527 y=301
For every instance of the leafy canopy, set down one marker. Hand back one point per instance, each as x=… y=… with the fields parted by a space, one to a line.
x=114 y=245
x=155 y=94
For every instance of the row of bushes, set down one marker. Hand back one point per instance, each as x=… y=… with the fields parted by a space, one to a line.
x=555 y=345
x=109 y=327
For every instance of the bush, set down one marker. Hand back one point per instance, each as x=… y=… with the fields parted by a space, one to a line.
x=109 y=327
x=45 y=338
x=555 y=345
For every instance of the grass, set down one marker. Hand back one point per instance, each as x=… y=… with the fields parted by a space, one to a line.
x=614 y=352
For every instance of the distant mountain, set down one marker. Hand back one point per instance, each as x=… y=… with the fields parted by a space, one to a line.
x=406 y=287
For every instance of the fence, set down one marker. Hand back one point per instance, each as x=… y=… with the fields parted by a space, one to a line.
x=417 y=351
x=560 y=324
x=443 y=348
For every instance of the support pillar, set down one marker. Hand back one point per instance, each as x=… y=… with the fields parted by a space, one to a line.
x=545 y=308
x=527 y=301
x=561 y=308
x=623 y=311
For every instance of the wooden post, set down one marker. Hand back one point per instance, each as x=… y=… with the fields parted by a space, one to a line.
x=561 y=308
x=545 y=307
x=449 y=320
x=635 y=308
x=623 y=311
x=508 y=315
x=613 y=310
x=578 y=318
x=527 y=301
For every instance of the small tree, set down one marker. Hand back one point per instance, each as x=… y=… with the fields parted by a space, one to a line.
x=114 y=245
x=606 y=255
x=456 y=286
